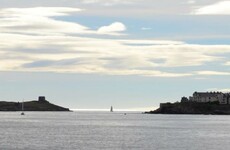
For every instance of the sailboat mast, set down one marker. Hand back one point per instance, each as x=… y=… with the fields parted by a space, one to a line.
x=22 y=113
x=22 y=105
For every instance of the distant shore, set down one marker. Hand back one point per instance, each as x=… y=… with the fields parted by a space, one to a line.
x=192 y=108
x=31 y=106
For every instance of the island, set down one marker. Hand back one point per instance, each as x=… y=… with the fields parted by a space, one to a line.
x=215 y=103
x=34 y=105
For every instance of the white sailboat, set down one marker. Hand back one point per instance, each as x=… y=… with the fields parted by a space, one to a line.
x=111 y=109
x=22 y=113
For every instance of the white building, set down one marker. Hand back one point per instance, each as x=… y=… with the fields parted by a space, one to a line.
x=225 y=98
x=203 y=97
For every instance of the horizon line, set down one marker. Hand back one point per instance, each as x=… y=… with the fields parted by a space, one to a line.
x=115 y=110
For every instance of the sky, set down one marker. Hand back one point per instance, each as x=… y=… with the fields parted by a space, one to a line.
x=132 y=54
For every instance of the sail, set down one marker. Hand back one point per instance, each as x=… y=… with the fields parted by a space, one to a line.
x=111 y=109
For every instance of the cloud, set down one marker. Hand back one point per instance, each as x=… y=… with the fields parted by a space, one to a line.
x=30 y=41
x=147 y=73
x=127 y=8
x=113 y=29
x=38 y=11
x=213 y=73
x=109 y=3
x=191 y=2
x=227 y=63
x=146 y=28
x=104 y=56
x=152 y=42
x=219 y=8
x=38 y=20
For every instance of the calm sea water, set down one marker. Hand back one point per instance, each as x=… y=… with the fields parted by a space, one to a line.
x=112 y=131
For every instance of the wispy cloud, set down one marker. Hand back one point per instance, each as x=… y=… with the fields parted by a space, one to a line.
x=227 y=63
x=191 y=2
x=38 y=11
x=108 y=2
x=39 y=20
x=146 y=28
x=104 y=56
x=213 y=73
x=39 y=42
x=219 y=8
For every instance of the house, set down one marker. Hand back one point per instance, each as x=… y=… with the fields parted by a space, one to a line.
x=204 y=97
x=225 y=99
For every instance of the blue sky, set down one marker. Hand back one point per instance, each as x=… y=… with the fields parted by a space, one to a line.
x=133 y=54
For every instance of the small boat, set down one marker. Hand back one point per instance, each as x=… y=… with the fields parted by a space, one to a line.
x=111 y=109
x=22 y=113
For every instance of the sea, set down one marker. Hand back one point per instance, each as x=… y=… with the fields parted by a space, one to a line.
x=112 y=131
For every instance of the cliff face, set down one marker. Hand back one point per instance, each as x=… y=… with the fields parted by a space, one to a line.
x=192 y=108
x=31 y=106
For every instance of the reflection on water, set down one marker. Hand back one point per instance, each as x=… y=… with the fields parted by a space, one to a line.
x=112 y=131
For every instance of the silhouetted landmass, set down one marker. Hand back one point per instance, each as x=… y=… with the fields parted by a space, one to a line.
x=192 y=108
x=43 y=105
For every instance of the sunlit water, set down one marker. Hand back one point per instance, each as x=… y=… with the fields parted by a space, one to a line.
x=112 y=131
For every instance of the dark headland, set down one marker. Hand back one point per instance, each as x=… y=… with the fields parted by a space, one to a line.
x=35 y=105
x=214 y=103
x=192 y=108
